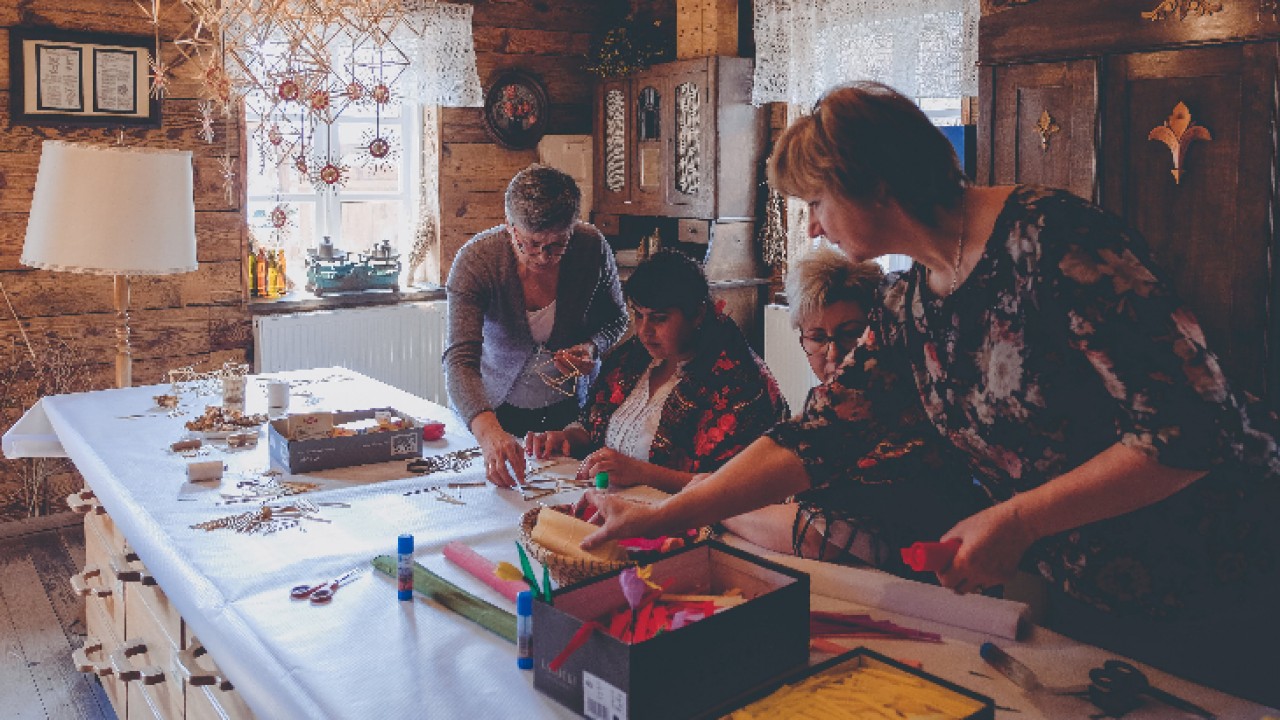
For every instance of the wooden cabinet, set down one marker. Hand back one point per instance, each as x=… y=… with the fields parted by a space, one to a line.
x=680 y=139
x=137 y=645
x=1082 y=121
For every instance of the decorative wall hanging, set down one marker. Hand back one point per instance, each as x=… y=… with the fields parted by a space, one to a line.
x=1178 y=132
x=1180 y=9
x=1046 y=127
x=615 y=141
x=515 y=110
x=73 y=78
x=688 y=138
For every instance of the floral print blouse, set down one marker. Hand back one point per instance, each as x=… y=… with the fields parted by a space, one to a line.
x=1063 y=341
x=725 y=399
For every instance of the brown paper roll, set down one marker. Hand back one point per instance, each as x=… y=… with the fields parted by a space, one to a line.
x=561 y=533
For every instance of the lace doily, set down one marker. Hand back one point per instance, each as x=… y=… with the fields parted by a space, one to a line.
x=436 y=38
x=922 y=48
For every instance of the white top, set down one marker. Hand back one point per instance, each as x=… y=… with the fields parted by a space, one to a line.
x=541 y=321
x=635 y=422
x=530 y=389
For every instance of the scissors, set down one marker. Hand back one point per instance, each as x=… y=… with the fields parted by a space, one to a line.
x=1117 y=688
x=323 y=593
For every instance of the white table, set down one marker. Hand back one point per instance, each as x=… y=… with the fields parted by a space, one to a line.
x=367 y=655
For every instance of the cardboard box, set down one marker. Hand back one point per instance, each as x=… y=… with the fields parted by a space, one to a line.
x=323 y=453
x=842 y=665
x=681 y=673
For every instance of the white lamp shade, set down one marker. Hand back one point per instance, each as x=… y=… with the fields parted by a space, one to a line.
x=109 y=210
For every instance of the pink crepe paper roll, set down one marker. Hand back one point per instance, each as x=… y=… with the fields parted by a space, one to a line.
x=482 y=568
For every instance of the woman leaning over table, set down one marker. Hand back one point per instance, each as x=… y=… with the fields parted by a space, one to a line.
x=682 y=396
x=532 y=304
x=911 y=486
x=1046 y=346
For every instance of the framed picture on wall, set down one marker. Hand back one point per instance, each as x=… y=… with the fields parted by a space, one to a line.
x=61 y=77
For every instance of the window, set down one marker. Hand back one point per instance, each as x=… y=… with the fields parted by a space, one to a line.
x=376 y=203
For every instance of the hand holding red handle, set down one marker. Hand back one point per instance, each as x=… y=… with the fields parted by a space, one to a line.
x=930 y=556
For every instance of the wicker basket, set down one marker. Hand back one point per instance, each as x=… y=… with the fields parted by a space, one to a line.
x=567 y=570
x=564 y=570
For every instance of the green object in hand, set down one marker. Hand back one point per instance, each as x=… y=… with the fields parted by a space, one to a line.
x=490 y=617
x=602 y=480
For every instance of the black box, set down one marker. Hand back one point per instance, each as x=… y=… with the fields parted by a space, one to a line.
x=856 y=658
x=681 y=673
x=323 y=453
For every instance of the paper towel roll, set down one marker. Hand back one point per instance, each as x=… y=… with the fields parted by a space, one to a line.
x=563 y=534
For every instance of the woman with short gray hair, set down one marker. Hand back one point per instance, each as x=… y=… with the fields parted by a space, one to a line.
x=532 y=304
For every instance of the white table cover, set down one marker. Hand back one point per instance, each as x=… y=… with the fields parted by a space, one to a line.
x=367 y=655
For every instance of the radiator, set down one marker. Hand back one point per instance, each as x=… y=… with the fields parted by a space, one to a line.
x=400 y=345
x=785 y=358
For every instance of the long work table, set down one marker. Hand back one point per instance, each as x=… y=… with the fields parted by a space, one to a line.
x=365 y=654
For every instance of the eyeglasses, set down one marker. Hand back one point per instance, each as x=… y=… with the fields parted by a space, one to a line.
x=555 y=248
x=845 y=340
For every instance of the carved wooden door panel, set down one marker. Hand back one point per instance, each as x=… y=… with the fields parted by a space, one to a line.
x=691 y=147
x=614 y=140
x=1041 y=126
x=1201 y=187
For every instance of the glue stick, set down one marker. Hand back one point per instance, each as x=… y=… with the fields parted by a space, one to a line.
x=404 y=568
x=602 y=480
x=524 y=630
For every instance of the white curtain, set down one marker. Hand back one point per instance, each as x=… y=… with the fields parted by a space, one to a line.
x=436 y=38
x=922 y=48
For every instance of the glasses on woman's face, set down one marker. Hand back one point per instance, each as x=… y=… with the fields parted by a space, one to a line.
x=816 y=342
x=546 y=244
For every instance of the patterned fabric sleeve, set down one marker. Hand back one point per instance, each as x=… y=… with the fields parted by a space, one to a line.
x=1147 y=347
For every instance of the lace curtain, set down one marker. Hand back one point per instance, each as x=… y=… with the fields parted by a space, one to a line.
x=922 y=48
x=436 y=38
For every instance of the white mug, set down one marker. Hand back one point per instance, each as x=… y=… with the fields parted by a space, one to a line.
x=277 y=395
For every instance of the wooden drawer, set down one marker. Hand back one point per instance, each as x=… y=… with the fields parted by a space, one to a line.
x=210 y=696
x=147 y=663
x=99 y=577
x=95 y=657
x=693 y=231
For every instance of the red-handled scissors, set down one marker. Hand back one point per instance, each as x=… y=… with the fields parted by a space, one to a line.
x=322 y=593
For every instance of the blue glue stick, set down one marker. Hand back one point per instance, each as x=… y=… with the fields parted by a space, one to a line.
x=404 y=568
x=524 y=630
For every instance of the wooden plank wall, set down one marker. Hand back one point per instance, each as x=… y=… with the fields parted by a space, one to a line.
x=196 y=318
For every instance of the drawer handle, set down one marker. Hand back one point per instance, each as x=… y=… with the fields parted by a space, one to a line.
x=80 y=583
x=80 y=658
x=84 y=502
x=195 y=676
x=128 y=568
x=124 y=668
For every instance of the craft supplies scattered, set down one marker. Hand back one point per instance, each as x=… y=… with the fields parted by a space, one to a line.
x=322 y=593
x=404 y=567
x=492 y=618
x=432 y=430
x=243 y=439
x=484 y=570
x=186 y=444
x=1116 y=688
x=202 y=471
x=454 y=461
x=862 y=684
x=645 y=657
x=307 y=442
x=169 y=402
x=265 y=489
x=270 y=518
x=830 y=624
x=930 y=556
x=277 y=395
x=524 y=630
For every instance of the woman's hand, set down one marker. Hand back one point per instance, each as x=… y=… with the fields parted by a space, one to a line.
x=499 y=449
x=624 y=471
x=619 y=519
x=545 y=444
x=575 y=360
x=992 y=543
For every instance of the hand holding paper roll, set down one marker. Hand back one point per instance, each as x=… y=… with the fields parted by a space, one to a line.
x=564 y=534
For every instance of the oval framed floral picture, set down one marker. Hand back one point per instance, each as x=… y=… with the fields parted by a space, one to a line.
x=516 y=109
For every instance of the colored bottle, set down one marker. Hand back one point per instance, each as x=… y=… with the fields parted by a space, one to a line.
x=253 y=274
x=284 y=278
x=404 y=567
x=262 y=274
x=524 y=630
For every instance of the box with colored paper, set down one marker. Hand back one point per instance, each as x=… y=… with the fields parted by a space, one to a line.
x=298 y=447
x=861 y=683
x=681 y=672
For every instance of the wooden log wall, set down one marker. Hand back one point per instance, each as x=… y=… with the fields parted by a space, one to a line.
x=196 y=318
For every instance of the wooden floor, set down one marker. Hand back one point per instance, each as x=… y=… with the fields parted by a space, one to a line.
x=41 y=622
